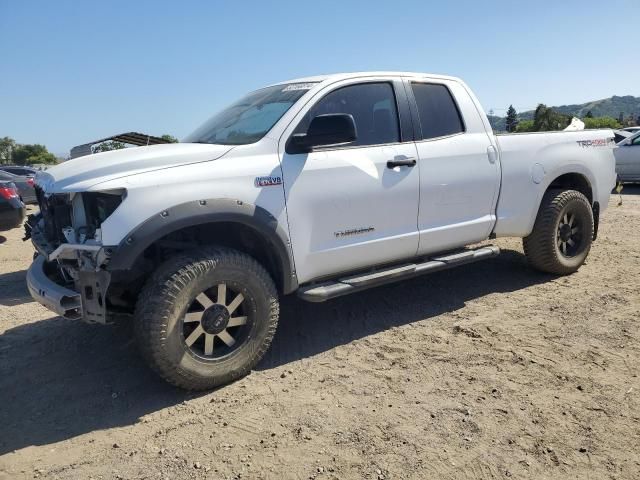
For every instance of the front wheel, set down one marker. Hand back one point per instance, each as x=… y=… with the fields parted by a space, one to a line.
x=206 y=318
x=562 y=234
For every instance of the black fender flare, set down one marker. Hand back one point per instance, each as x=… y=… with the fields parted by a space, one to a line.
x=200 y=212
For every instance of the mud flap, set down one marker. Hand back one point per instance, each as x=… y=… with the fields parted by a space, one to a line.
x=596 y=219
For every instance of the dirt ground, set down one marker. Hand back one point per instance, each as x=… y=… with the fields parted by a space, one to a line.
x=490 y=370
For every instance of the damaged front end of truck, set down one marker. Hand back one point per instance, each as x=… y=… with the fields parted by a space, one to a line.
x=69 y=273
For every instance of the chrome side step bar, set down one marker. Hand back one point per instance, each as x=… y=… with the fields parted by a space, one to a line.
x=344 y=286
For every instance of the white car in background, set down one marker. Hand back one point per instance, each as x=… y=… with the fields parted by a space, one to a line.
x=628 y=158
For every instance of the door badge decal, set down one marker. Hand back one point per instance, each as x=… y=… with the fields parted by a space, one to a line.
x=267 y=181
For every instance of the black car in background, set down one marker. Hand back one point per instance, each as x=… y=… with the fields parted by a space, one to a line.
x=12 y=210
x=24 y=184
x=19 y=170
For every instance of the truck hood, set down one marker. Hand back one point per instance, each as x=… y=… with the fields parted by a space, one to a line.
x=82 y=173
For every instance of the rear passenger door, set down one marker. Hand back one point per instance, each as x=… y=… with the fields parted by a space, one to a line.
x=459 y=178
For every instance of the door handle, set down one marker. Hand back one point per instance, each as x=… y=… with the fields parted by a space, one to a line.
x=492 y=154
x=401 y=162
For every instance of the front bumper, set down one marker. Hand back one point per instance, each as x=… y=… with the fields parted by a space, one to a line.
x=87 y=300
x=55 y=297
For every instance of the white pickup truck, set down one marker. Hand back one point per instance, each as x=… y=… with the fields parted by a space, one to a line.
x=322 y=186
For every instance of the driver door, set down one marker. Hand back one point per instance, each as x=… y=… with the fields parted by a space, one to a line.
x=347 y=208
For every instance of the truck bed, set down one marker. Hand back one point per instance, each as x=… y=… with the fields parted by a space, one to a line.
x=529 y=160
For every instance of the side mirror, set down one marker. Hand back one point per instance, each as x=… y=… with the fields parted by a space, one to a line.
x=329 y=129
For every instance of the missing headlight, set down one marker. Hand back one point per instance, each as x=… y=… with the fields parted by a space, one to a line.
x=99 y=206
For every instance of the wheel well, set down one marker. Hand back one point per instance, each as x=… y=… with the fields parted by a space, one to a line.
x=126 y=283
x=574 y=181
x=228 y=234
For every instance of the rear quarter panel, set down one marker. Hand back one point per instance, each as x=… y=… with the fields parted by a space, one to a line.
x=532 y=161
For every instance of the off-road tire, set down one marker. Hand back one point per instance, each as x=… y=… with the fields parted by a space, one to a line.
x=168 y=294
x=541 y=246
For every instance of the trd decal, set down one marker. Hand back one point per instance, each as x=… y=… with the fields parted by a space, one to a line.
x=267 y=181
x=600 y=142
x=353 y=231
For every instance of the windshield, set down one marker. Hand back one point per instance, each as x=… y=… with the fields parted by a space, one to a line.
x=251 y=117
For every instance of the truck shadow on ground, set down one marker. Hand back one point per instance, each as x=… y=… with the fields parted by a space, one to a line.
x=13 y=288
x=630 y=189
x=60 y=379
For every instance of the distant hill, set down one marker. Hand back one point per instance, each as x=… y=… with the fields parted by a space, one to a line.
x=607 y=107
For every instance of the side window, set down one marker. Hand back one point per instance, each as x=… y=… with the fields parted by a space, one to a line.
x=439 y=115
x=373 y=107
x=636 y=141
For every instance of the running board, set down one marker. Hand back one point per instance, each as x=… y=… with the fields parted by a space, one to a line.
x=344 y=286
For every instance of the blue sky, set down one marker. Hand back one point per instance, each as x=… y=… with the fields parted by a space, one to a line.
x=75 y=71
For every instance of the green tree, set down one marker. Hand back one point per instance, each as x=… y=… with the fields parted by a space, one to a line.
x=169 y=138
x=512 y=119
x=589 y=114
x=546 y=119
x=108 y=146
x=7 y=146
x=45 y=158
x=32 y=155
x=601 y=122
x=621 y=118
x=525 y=126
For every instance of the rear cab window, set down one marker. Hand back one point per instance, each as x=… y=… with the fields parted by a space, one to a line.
x=438 y=113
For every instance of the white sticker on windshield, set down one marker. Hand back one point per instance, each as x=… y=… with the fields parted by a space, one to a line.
x=298 y=86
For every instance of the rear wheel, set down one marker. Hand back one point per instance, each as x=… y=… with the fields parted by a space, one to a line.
x=206 y=318
x=562 y=234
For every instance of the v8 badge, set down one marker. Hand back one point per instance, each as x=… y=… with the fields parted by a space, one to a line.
x=267 y=181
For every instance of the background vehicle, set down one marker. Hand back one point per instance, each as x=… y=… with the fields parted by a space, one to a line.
x=628 y=159
x=25 y=186
x=620 y=135
x=322 y=186
x=632 y=129
x=19 y=170
x=12 y=210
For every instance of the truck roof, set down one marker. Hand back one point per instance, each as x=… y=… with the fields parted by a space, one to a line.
x=347 y=75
